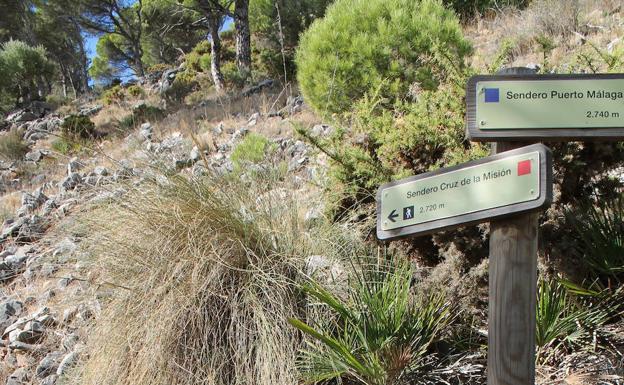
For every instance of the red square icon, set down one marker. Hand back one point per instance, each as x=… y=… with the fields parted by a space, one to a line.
x=524 y=167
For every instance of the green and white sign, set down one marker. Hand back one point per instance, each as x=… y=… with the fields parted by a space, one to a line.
x=499 y=185
x=545 y=106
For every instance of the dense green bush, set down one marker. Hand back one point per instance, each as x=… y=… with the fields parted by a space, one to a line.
x=376 y=46
x=78 y=127
x=135 y=91
x=199 y=58
x=112 y=95
x=12 y=146
x=184 y=83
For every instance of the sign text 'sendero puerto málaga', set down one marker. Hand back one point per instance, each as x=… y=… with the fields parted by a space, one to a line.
x=555 y=107
x=496 y=186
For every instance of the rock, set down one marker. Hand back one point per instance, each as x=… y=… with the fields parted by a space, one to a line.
x=321 y=131
x=18 y=377
x=240 y=133
x=71 y=182
x=253 y=119
x=15 y=261
x=36 y=155
x=171 y=142
x=48 y=365
x=74 y=165
x=69 y=314
x=218 y=129
x=313 y=216
x=48 y=207
x=12 y=227
x=146 y=132
x=49 y=380
x=314 y=263
x=21 y=116
x=195 y=154
x=167 y=80
x=18 y=345
x=32 y=230
x=69 y=361
x=258 y=87
x=101 y=171
x=70 y=341
x=90 y=110
x=9 y=311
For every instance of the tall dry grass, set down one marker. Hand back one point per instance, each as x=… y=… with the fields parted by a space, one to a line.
x=203 y=274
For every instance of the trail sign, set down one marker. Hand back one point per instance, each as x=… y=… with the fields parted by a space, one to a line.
x=493 y=187
x=545 y=107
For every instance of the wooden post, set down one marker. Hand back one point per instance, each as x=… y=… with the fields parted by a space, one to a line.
x=512 y=291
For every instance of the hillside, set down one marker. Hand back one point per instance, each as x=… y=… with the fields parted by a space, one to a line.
x=204 y=225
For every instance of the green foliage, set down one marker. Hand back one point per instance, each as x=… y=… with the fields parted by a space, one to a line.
x=141 y=114
x=57 y=101
x=277 y=26
x=566 y=323
x=77 y=127
x=136 y=91
x=65 y=146
x=23 y=69
x=600 y=227
x=469 y=8
x=253 y=149
x=232 y=75
x=113 y=95
x=385 y=144
x=160 y=67
x=12 y=146
x=199 y=58
x=379 y=334
x=184 y=83
x=376 y=46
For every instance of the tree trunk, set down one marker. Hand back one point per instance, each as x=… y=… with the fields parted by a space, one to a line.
x=215 y=53
x=243 y=36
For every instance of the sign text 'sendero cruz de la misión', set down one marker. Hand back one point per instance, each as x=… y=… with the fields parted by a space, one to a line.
x=497 y=185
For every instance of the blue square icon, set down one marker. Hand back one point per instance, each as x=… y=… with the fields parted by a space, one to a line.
x=491 y=95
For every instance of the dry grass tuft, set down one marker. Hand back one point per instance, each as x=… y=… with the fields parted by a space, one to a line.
x=204 y=275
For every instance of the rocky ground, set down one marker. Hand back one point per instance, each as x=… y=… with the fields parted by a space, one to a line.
x=47 y=292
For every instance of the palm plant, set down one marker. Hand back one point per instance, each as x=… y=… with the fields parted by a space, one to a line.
x=378 y=335
x=601 y=231
x=565 y=322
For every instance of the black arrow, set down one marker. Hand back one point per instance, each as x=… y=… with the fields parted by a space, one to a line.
x=393 y=215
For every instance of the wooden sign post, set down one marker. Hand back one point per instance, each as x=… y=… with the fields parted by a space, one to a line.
x=514 y=108
x=512 y=292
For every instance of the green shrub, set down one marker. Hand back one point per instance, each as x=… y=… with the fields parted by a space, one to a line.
x=379 y=334
x=136 y=91
x=141 y=114
x=158 y=68
x=251 y=150
x=76 y=127
x=565 y=323
x=113 y=95
x=12 y=146
x=197 y=59
x=57 y=101
x=600 y=228
x=184 y=84
x=376 y=46
x=65 y=146
x=232 y=75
